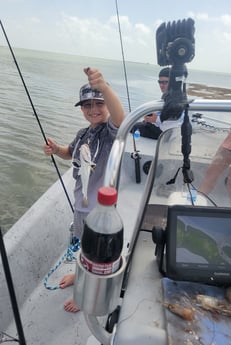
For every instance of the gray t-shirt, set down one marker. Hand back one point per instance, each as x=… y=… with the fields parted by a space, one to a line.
x=100 y=140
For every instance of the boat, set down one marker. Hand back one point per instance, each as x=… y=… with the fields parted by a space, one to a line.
x=130 y=306
x=173 y=283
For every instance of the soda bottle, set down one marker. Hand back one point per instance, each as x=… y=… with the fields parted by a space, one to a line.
x=102 y=239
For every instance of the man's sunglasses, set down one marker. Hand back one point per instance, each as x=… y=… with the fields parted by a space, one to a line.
x=164 y=82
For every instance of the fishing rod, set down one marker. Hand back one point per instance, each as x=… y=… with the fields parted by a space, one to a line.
x=134 y=155
x=36 y=115
x=198 y=117
x=13 y=299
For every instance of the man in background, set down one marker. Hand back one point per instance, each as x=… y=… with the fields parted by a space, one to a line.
x=149 y=127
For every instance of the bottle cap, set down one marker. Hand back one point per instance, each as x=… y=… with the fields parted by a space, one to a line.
x=107 y=195
x=136 y=134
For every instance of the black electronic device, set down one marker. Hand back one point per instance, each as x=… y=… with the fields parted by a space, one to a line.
x=198 y=244
x=175 y=46
x=175 y=42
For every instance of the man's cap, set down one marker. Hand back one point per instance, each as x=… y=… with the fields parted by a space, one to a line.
x=87 y=93
x=164 y=72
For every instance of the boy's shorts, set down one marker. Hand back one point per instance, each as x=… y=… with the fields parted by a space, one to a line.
x=78 y=223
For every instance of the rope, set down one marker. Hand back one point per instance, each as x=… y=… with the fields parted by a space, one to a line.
x=69 y=256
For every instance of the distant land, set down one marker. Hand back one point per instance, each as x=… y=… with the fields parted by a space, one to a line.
x=208 y=92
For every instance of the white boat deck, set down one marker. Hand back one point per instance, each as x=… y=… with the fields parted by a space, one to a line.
x=42 y=314
x=43 y=317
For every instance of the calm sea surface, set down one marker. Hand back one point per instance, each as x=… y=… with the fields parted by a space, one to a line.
x=53 y=81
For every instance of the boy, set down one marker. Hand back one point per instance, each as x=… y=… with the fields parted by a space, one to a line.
x=91 y=147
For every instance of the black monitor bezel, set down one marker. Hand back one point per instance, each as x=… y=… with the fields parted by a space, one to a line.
x=193 y=272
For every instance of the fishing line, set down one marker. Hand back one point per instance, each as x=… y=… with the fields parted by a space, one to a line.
x=35 y=113
x=135 y=155
x=122 y=52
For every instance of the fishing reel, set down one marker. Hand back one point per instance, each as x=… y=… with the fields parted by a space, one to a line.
x=175 y=46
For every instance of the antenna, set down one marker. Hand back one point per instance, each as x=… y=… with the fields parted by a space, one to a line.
x=134 y=155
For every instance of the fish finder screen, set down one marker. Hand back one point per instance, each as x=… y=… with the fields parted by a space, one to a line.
x=203 y=240
x=198 y=244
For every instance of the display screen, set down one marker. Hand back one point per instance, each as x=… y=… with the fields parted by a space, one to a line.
x=198 y=244
x=203 y=240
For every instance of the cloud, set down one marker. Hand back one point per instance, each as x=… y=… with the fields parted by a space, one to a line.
x=34 y=20
x=227 y=36
x=202 y=16
x=86 y=36
x=142 y=28
x=124 y=22
x=226 y=19
x=205 y=17
x=96 y=38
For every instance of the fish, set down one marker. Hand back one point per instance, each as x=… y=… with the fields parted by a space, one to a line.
x=184 y=312
x=86 y=166
x=214 y=305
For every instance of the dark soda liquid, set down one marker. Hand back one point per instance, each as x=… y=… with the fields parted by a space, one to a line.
x=101 y=248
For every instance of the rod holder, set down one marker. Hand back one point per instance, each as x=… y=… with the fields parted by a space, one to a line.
x=97 y=295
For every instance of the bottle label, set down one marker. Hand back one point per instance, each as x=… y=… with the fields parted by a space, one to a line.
x=100 y=268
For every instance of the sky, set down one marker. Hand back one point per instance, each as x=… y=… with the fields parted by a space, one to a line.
x=90 y=28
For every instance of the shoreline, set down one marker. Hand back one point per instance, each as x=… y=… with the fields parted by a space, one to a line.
x=208 y=92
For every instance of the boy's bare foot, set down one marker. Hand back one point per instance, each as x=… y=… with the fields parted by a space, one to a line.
x=71 y=306
x=67 y=280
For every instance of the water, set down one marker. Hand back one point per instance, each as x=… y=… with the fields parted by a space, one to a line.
x=53 y=81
